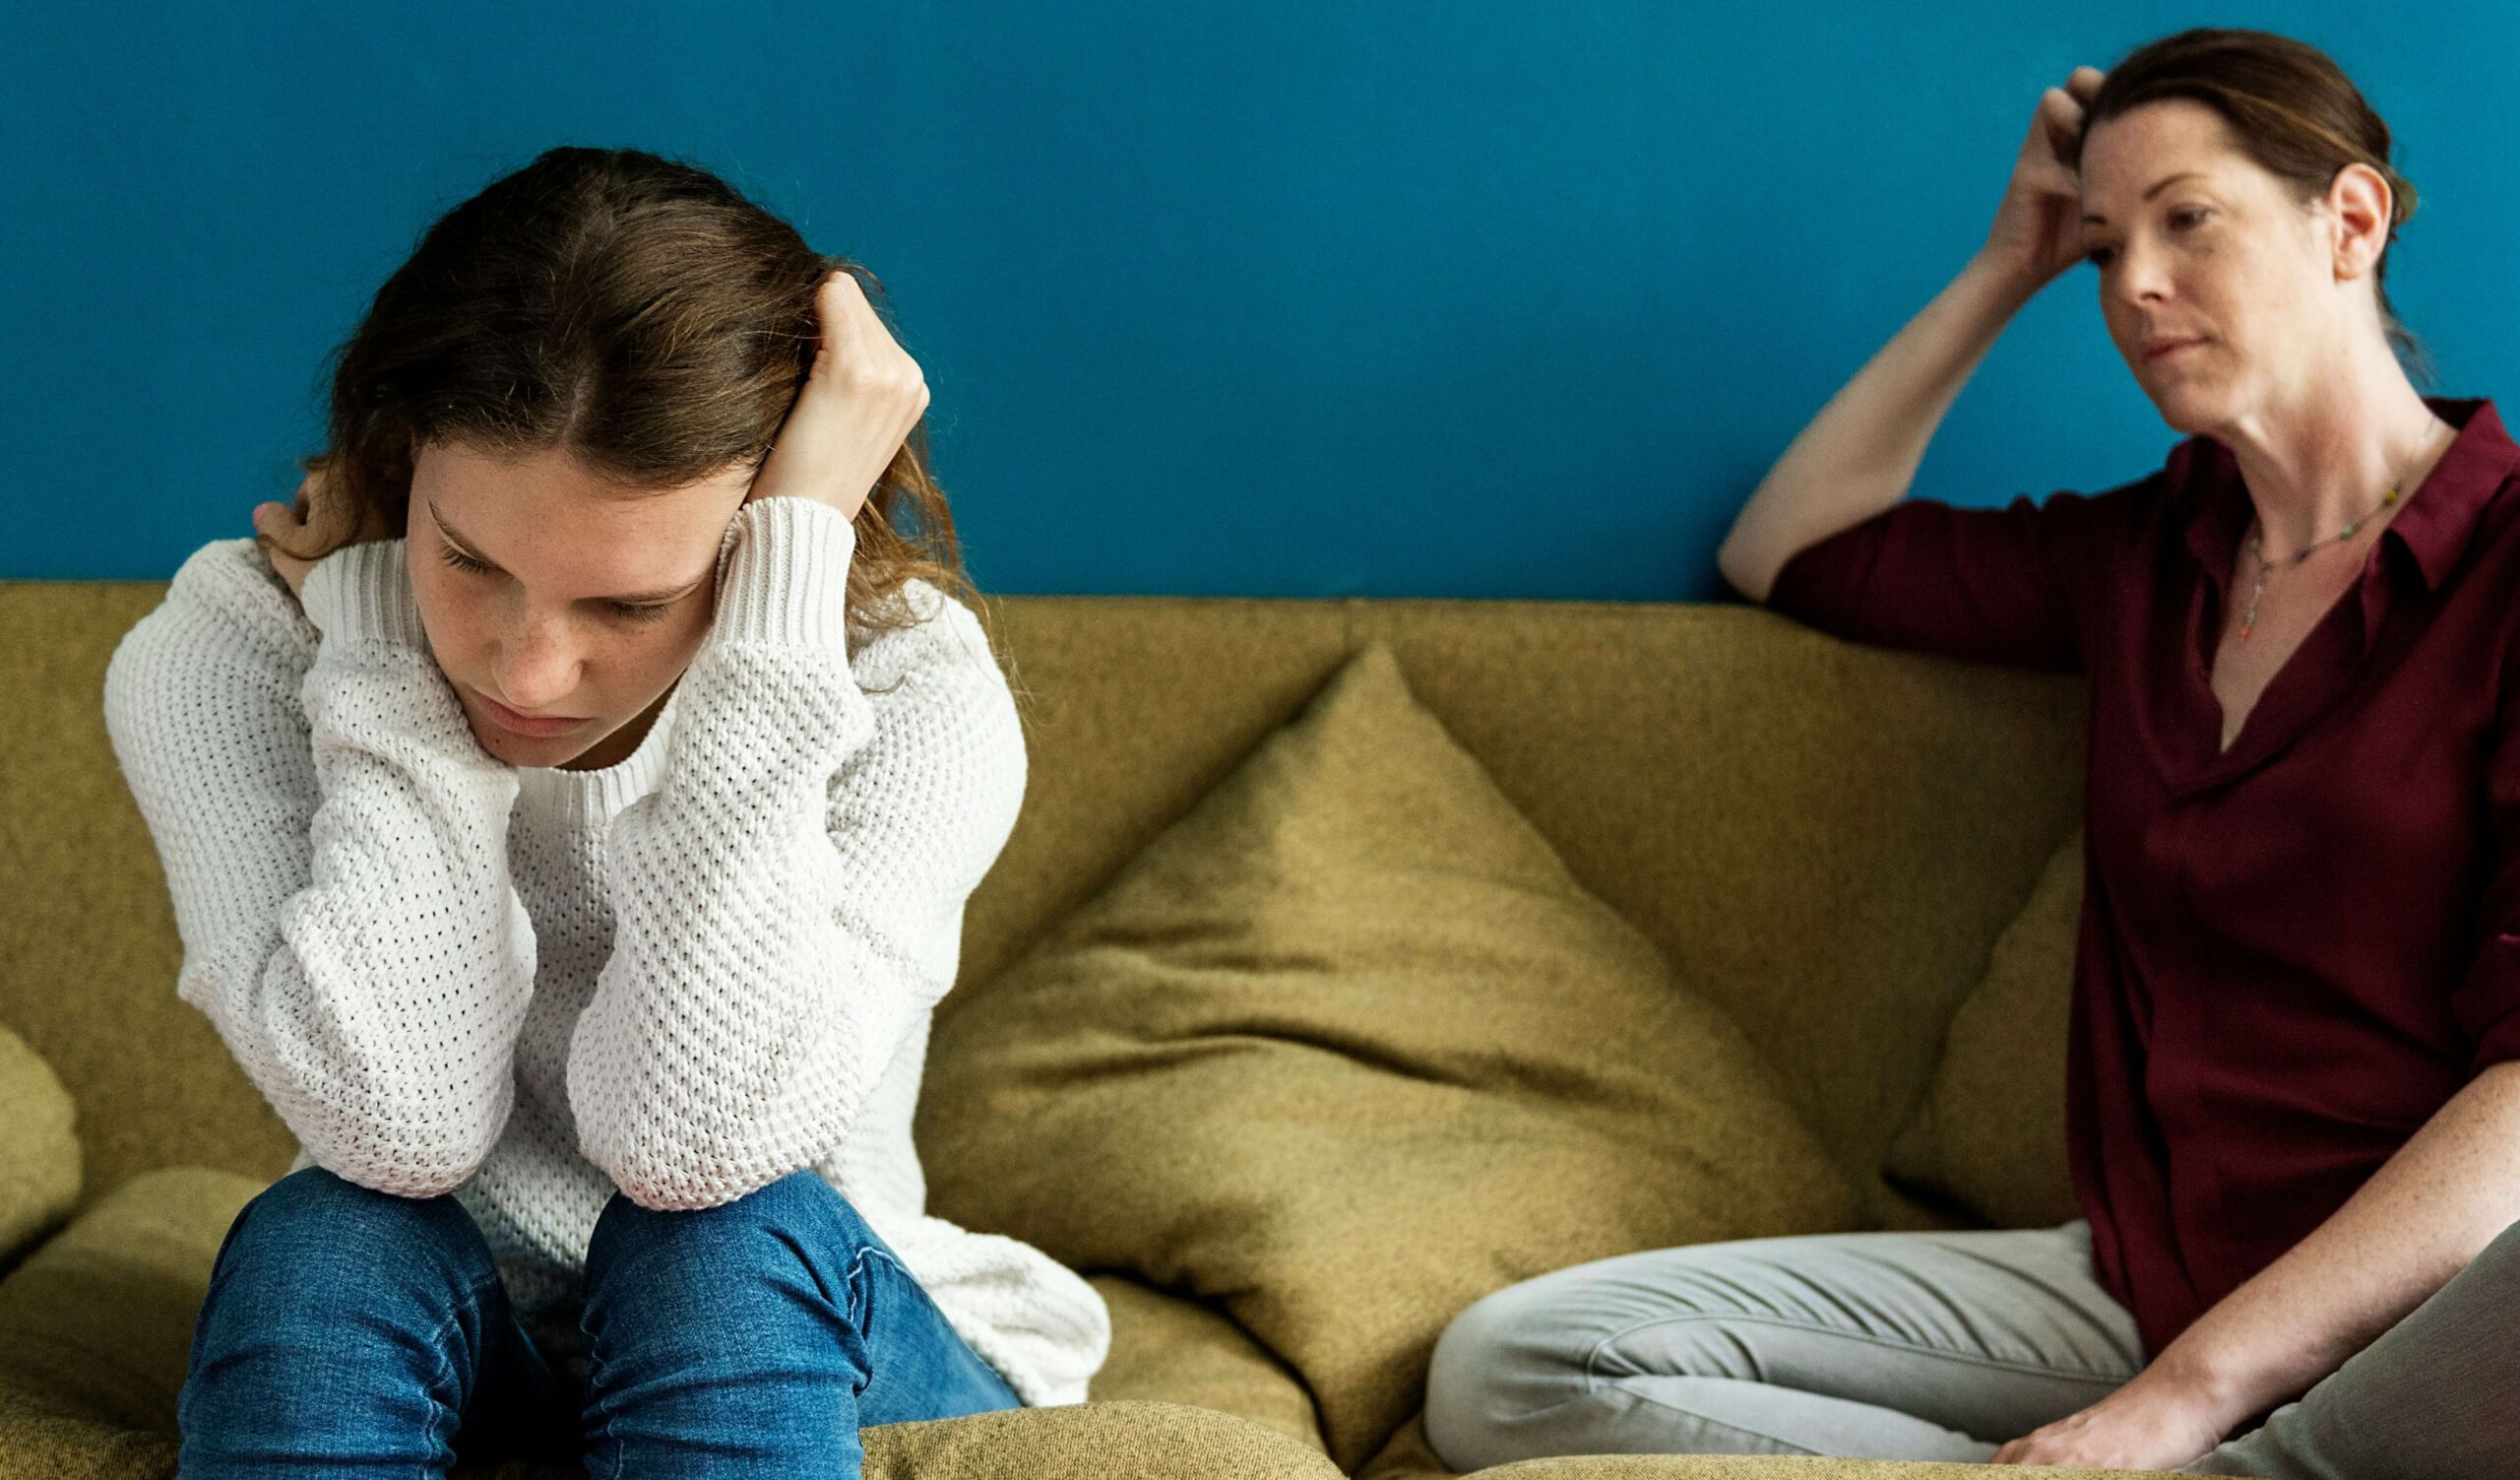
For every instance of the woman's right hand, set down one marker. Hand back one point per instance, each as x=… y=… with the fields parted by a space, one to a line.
x=2038 y=230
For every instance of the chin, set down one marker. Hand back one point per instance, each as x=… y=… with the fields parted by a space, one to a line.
x=2190 y=410
x=511 y=749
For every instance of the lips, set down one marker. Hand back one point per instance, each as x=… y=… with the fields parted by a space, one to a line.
x=523 y=724
x=2156 y=349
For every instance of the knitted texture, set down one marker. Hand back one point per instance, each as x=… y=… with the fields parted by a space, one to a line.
x=680 y=977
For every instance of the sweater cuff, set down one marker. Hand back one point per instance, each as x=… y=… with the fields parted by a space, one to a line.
x=363 y=593
x=782 y=573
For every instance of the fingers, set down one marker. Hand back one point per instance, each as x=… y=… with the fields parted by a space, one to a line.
x=840 y=306
x=862 y=398
x=862 y=354
x=274 y=521
x=2060 y=113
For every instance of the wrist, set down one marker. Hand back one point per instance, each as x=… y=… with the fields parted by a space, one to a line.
x=782 y=573
x=363 y=593
x=2189 y=1376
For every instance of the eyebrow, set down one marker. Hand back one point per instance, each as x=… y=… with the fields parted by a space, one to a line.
x=629 y=599
x=2159 y=186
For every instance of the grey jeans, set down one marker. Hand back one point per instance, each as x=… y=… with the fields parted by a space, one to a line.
x=1929 y=1346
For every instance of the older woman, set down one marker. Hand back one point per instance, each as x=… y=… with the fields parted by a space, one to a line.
x=2294 y=1109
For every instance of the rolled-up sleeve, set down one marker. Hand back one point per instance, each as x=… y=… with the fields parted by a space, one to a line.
x=2003 y=585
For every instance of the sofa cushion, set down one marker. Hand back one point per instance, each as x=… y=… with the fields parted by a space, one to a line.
x=1990 y=1133
x=1169 y=1350
x=95 y=1331
x=97 y=1323
x=1753 y=1467
x=38 y=1148
x=1346 y=1049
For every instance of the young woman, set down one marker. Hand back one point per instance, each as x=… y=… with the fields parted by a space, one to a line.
x=2293 y=1104
x=569 y=808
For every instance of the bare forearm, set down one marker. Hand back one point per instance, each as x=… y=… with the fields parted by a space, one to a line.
x=2417 y=1223
x=1860 y=453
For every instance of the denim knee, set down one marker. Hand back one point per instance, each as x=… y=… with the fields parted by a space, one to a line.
x=799 y=1211
x=327 y=1241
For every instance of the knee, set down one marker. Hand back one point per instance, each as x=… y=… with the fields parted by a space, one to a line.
x=1494 y=1363
x=314 y=1240
x=798 y=1216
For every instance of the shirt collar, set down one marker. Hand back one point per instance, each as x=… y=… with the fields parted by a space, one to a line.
x=2435 y=526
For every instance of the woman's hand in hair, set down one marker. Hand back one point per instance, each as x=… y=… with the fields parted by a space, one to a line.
x=860 y=402
x=2039 y=229
x=318 y=522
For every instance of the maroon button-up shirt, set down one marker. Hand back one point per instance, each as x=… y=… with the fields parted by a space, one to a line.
x=2294 y=952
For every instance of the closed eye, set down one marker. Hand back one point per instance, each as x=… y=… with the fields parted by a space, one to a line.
x=626 y=611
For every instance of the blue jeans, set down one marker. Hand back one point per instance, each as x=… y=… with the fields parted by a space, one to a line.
x=355 y=1333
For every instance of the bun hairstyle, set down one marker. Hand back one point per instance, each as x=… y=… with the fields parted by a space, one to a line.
x=2289 y=106
x=640 y=314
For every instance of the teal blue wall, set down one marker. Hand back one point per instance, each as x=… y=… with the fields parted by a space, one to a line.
x=1387 y=297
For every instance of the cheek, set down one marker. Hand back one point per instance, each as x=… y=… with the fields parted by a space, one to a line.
x=638 y=666
x=448 y=612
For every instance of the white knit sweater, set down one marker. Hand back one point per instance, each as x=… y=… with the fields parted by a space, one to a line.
x=683 y=976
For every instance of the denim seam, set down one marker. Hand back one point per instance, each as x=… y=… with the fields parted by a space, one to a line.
x=1592 y=1358
x=437 y=1348
x=848 y=1279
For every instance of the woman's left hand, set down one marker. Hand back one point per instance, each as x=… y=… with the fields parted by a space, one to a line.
x=2142 y=1426
x=860 y=402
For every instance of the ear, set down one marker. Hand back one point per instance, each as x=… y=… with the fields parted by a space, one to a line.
x=2363 y=207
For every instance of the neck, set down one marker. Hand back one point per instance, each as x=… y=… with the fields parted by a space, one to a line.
x=2323 y=458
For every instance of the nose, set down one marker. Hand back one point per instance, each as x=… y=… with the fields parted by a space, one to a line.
x=2142 y=277
x=537 y=665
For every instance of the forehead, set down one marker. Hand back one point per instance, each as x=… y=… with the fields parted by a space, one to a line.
x=552 y=520
x=2129 y=154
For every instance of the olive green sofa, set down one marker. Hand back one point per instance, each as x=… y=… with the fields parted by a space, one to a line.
x=1826 y=840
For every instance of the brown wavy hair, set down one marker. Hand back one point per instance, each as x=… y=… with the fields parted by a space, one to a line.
x=639 y=313
x=2293 y=111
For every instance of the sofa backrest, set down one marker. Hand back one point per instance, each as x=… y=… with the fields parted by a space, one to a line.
x=1826 y=838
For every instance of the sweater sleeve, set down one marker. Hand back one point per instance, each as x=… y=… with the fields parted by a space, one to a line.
x=335 y=843
x=788 y=902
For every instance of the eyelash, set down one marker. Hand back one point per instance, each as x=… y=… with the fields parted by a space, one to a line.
x=623 y=609
x=2190 y=215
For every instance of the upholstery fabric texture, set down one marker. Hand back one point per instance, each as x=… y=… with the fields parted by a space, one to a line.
x=1357 y=953
x=39 y=1165
x=1990 y=1133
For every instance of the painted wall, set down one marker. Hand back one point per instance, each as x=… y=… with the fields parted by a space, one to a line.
x=1387 y=297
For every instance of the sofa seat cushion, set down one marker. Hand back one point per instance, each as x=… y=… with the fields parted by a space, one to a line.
x=1407 y=1457
x=1168 y=1349
x=1765 y=1467
x=38 y=1148
x=95 y=1331
x=1348 y=1048
x=1990 y=1133
x=97 y=1323
x=1084 y=1441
